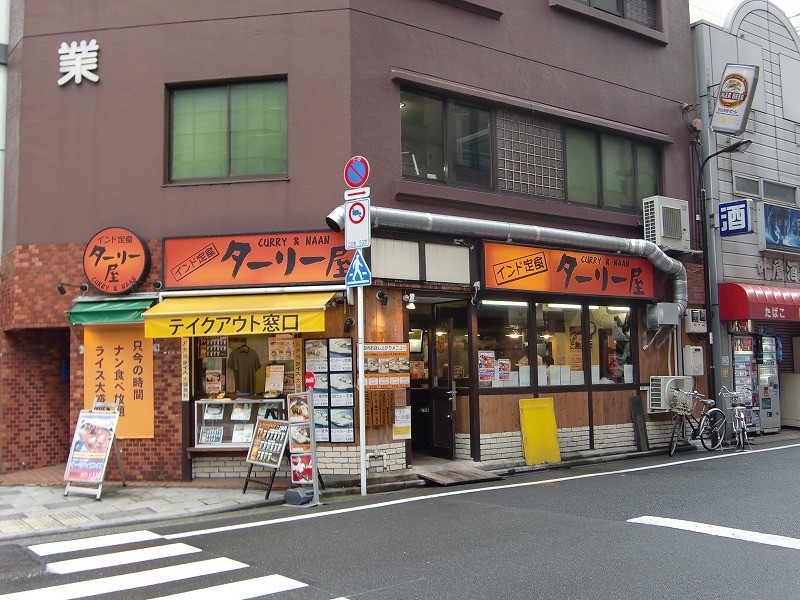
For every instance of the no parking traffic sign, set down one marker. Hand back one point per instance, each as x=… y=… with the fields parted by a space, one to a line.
x=356 y=171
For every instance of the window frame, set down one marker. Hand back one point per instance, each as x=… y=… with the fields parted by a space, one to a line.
x=169 y=180
x=634 y=146
x=585 y=303
x=449 y=143
x=637 y=146
x=657 y=35
x=760 y=181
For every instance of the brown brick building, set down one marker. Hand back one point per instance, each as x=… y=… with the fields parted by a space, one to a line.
x=235 y=119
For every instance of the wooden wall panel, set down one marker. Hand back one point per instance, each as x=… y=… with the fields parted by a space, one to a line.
x=462 y=414
x=612 y=407
x=500 y=413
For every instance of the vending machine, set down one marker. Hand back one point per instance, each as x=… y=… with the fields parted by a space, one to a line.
x=745 y=376
x=768 y=387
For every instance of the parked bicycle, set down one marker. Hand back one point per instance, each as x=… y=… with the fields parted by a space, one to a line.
x=738 y=401
x=709 y=426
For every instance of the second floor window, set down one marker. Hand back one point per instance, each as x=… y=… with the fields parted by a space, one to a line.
x=608 y=170
x=454 y=142
x=229 y=131
x=445 y=140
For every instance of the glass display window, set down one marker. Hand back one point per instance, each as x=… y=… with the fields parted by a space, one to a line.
x=503 y=349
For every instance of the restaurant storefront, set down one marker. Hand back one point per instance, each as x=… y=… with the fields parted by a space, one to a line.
x=237 y=321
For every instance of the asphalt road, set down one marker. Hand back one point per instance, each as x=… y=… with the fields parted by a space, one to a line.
x=732 y=531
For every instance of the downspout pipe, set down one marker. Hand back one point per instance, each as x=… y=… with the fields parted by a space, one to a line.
x=422 y=222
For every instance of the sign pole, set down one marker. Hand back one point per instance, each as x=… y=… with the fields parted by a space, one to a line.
x=357 y=235
x=362 y=404
x=314 y=475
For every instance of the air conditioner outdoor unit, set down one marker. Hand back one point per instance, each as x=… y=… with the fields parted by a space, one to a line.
x=661 y=387
x=666 y=222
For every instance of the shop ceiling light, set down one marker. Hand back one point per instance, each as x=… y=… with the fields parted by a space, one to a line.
x=565 y=306
x=503 y=303
x=618 y=308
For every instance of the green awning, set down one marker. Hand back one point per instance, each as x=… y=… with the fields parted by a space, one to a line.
x=106 y=312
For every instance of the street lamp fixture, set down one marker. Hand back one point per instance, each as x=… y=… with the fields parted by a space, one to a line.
x=737 y=146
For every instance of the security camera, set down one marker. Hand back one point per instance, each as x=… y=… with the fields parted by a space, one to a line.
x=158 y=284
x=348 y=324
x=383 y=297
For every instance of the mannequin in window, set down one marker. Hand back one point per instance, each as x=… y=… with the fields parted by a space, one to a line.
x=244 y=362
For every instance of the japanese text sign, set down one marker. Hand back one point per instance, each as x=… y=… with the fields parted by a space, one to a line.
x=115 y=260
x=528 y=268
x=118 y=366
x=386 y=366
x=734 y=217
x=256 y=260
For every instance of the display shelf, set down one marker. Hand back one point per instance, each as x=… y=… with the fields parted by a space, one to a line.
x=228 y=424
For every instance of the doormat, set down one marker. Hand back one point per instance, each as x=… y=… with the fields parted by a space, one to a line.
x=458 y=476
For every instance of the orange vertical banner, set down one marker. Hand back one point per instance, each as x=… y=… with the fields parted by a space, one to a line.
x=118 y=366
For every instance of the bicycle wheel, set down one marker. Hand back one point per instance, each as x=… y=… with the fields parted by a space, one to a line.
x=712 y=429
x=677 y=431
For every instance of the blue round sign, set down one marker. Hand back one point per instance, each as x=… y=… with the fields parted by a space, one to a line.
x=356 y=171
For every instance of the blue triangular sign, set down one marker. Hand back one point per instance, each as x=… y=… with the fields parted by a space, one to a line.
x=358 y=274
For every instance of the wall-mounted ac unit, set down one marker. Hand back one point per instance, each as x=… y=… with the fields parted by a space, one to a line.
x=666 y=222
x=661 y=387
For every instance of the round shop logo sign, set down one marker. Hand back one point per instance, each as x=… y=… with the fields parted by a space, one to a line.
x=733 y=91
x=115 y=261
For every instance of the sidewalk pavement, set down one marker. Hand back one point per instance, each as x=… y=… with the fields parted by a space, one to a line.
x=33 y=502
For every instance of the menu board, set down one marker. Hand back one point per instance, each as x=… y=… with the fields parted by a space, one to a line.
x=300 y=438
x=241 y=411
x=302 y=470
x=269 y=441
x=242 y=433
x=211 y=435
x=91 y=444
x=331 y=361
x=386 y=366
x=316 y=355
x=341 y=422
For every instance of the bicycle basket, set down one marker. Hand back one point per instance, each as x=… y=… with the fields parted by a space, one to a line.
x=681 y=404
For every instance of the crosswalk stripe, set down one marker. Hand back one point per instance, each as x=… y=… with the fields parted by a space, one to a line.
x=241 y=590
x=101 y=541
x=727 y=532
x=115 y=559
x=117 y=583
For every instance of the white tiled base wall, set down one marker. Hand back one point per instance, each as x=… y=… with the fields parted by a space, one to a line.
x=497 y=450
x=336 y=460
x=505 y=449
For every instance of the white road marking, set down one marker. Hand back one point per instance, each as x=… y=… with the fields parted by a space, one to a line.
x=726 y=532
x=115 y=559
x=493 y=488
x=242 y=590
x=102 y=541
x=118 y=583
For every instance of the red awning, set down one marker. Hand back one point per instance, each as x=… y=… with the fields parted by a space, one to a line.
x=758 y=302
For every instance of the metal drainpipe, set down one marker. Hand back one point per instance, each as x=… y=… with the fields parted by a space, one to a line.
x=405 y=220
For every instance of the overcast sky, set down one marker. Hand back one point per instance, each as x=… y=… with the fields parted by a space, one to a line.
x=715 y=11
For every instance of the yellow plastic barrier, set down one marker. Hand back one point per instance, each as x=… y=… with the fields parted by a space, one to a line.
x=539 y=438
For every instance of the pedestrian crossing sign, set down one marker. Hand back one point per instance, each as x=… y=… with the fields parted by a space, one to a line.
x=358 y=274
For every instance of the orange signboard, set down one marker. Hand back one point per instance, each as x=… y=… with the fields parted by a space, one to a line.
x=533 y=269
x=256 y=260
x=118 y=366
x=115 y=260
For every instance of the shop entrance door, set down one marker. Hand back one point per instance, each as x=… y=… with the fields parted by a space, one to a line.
x=443 y=391
x=439 y=355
